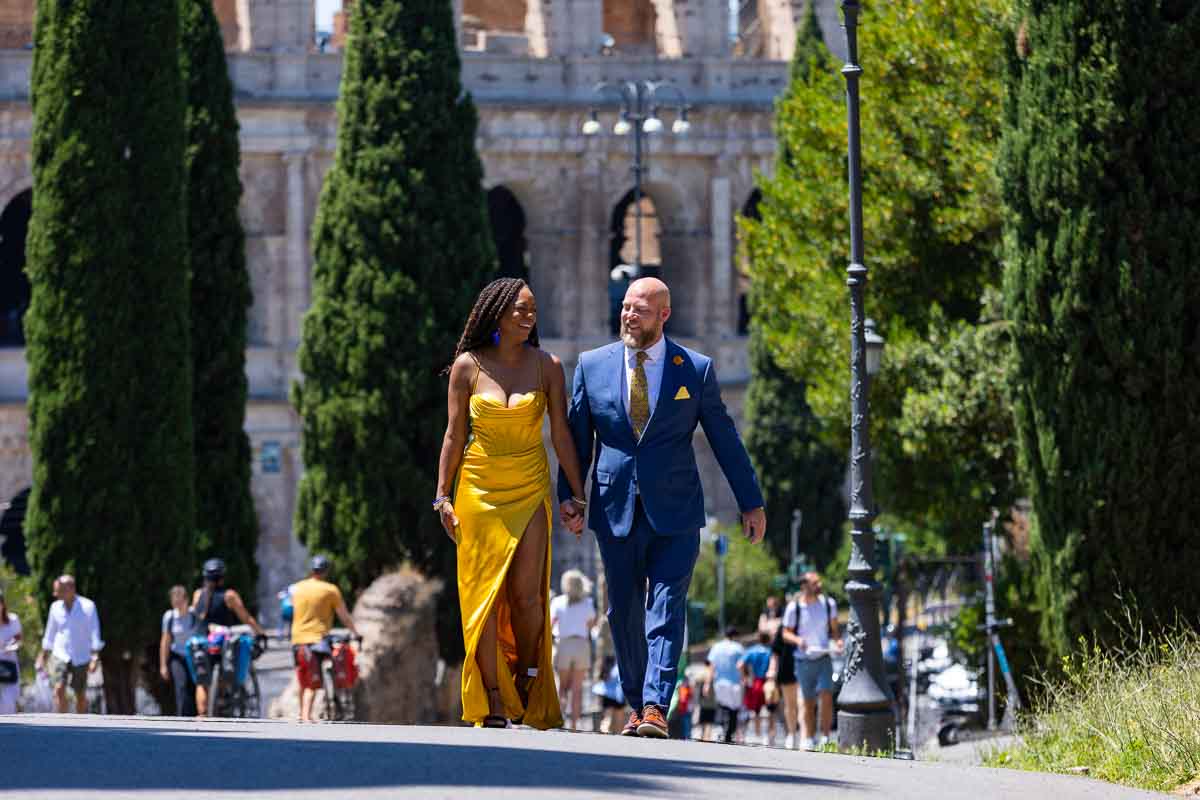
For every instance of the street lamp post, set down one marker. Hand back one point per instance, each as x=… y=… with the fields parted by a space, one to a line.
x=865 y=717
x=640 y=102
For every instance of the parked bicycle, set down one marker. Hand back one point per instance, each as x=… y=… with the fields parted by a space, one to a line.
x=339 y=674
x=232 y=680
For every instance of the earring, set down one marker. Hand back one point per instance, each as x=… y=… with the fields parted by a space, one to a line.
x=496 y=337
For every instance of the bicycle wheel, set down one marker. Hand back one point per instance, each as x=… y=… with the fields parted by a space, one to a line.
x=330 y=693
x=214 y=690
x=251 y=698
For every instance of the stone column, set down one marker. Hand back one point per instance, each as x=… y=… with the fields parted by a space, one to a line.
x=296 y=273
x=591 y=319
x=723 y=299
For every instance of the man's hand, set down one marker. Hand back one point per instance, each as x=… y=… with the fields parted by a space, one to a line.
x=94 y=663
x=754 y=524
x=164 y=672
x=571 y=517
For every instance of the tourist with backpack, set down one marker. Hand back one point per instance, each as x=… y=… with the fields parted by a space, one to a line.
x=810 y=626
x=179 y=625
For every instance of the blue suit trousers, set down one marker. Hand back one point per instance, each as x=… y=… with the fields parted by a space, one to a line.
x=648 y=576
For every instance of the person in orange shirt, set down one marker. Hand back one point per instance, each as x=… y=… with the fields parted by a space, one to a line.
x=315 y=601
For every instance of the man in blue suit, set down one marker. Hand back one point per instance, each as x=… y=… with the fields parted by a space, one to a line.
x=634 y=409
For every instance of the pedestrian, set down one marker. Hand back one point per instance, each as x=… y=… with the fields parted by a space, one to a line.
x=71 y=646
x=781 y=680
x=684 y=708
x=708 y=707
x=10 y=667
x=725 y=678
x=572 y=615
x=771 y=615
x=636 y=405
x=179 y=625
x=810 y=625
x=754 y=666
x=612 y=698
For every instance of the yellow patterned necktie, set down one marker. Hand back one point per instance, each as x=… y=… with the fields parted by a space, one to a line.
x=639 y=396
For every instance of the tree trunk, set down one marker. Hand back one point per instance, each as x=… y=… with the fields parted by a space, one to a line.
x=120 y=680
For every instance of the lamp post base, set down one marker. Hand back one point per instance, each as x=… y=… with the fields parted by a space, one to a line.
x=873 y=731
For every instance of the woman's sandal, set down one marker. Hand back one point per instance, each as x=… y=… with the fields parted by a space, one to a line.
x=524 y=683
x=496 y=720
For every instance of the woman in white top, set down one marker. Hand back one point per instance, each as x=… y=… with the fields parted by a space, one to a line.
x=572 y=615
x=179 y=624
x=10 y=670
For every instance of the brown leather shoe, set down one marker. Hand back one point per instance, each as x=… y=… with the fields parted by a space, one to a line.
x=631 y=727
x=654 y=724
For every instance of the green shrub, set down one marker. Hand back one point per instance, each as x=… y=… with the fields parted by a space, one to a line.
x=750 y=571
x=1130 y=714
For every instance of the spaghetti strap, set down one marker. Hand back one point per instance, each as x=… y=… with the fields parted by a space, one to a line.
x=478 y=369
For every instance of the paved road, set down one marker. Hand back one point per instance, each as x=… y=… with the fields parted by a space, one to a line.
x=179 y=759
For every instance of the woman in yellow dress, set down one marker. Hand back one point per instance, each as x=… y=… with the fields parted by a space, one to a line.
x=493 y=495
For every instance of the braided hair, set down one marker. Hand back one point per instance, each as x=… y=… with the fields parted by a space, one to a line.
x=491 y=304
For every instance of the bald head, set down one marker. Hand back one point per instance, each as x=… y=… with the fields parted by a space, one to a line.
x=645 y=310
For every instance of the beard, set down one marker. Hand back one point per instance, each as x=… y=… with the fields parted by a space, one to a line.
x=641 y=339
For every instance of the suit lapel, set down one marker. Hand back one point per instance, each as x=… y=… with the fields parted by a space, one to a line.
x=672 y=377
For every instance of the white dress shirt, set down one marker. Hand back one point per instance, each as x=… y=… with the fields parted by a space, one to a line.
x=73 y=635
x=655 y=361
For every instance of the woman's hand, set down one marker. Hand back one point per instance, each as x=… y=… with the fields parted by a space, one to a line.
x=164 y=672
x=449 y=520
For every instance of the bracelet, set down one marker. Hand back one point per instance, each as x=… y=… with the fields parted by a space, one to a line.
x=440 y=501
x=578 y=502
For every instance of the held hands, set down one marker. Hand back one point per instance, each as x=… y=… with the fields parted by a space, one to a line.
x=754 y=524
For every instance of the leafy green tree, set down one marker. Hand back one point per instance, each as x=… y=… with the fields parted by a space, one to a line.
x=958 y=457
x=1101 y=171
x=798 y=469
x=930 y=121
x=401 y=248
x=749 y=574
x=226 y=523
x=108 y=331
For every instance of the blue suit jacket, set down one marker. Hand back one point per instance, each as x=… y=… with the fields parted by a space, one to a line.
x=662 y=463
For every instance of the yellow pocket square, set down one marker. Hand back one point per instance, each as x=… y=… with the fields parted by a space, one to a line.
x=682 y=394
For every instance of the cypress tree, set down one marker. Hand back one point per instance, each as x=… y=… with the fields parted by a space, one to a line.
x=798 y=471
x=402 y=247
x=1101 y=170
x=108 y=332
x=226 y=524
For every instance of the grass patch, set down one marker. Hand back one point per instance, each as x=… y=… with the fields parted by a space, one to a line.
x=1130 y=714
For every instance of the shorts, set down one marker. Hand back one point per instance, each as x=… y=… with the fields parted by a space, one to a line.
x=754 y=699
x=307 y=658
x=729 y=693
x=708 y=716
x=64 y=673
x=573 y=651
x=814 y=676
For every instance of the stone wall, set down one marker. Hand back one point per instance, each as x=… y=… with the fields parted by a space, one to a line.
x=16 y=23
x=530 y=141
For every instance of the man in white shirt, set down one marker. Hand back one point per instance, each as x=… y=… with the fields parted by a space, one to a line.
x=810 y=625
x=72 y=643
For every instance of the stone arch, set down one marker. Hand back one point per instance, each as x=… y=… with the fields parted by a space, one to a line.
x=635 y=248
x=16 y=24
x=12 y=532
x=495 y=26
x=507 y=219
x=14 y=282
x=633 y=26
x=750 y=210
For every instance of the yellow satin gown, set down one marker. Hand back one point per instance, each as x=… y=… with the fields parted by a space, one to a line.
x=503 y=481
